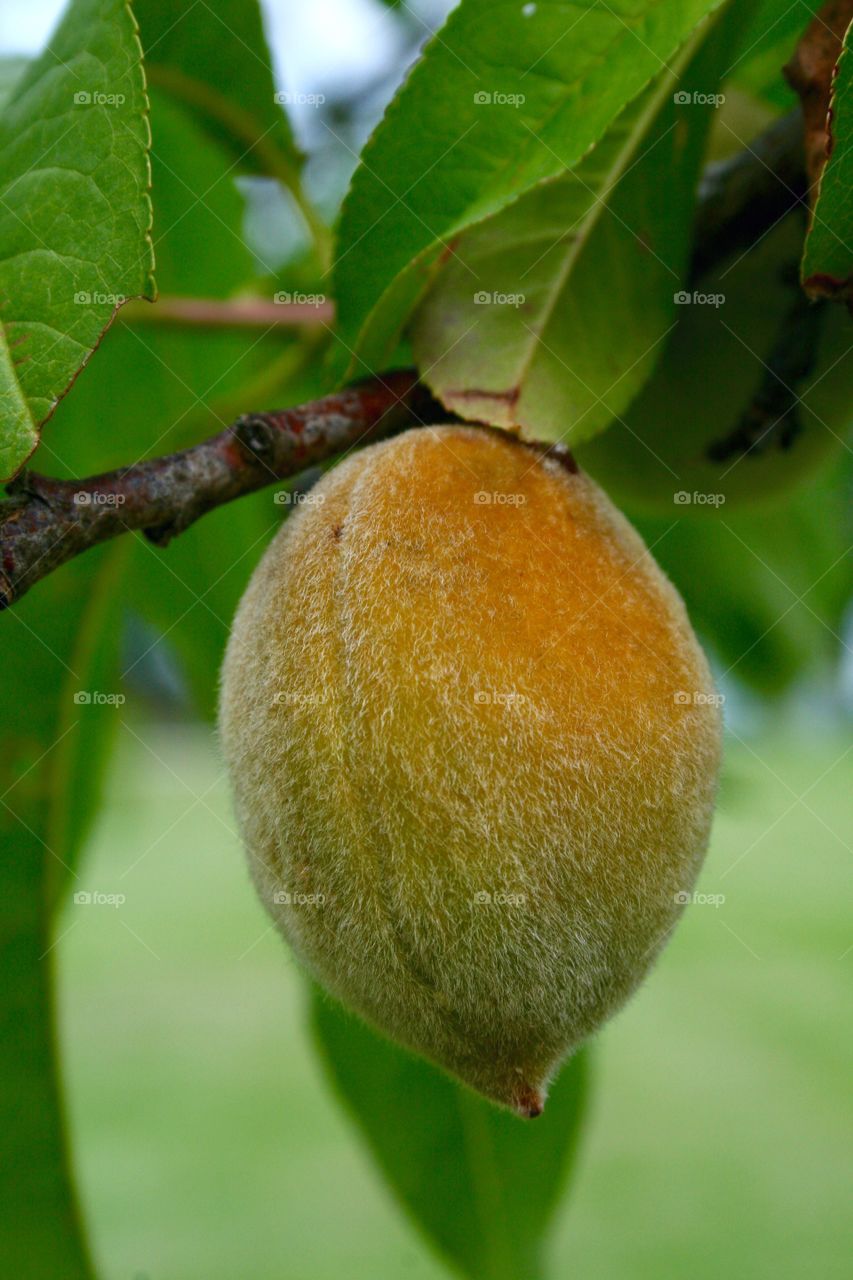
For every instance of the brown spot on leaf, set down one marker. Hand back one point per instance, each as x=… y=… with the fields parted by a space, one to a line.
x=509 y=397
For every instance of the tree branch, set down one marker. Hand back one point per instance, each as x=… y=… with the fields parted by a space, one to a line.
x=45 y=522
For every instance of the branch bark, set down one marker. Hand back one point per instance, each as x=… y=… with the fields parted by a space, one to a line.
x=45 y=522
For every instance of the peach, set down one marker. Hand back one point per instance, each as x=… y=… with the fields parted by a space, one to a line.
x=474 y=747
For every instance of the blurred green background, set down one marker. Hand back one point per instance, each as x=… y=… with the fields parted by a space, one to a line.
x=209 y=1145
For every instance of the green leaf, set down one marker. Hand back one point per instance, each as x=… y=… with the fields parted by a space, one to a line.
x=59 y=643
x=590 y=263
x=74 y=212
x=828 y=259
x=179 y=385
x=555 y=78
x=481 y=1183
x=215 y=61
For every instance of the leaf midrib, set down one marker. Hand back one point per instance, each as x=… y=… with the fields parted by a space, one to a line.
x=598 y=207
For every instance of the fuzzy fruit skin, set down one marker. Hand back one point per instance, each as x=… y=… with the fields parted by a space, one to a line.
x=469 y=792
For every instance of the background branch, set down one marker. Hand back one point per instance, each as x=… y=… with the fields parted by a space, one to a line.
x=229 y=313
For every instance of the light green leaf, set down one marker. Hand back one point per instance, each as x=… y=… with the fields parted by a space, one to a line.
x=481 y=1183
x=74 y=212
x=179 y=385
x=505 y=96
x=828 y=258
x=550 y=316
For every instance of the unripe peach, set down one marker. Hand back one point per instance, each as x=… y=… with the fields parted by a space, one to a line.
x=474 y=746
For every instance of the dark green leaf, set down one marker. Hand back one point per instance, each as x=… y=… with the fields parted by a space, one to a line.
x=59 y=660
x=481 y=1183
x=215 y=60
x=75 y=212
x=719 y=425
x=767 y=46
